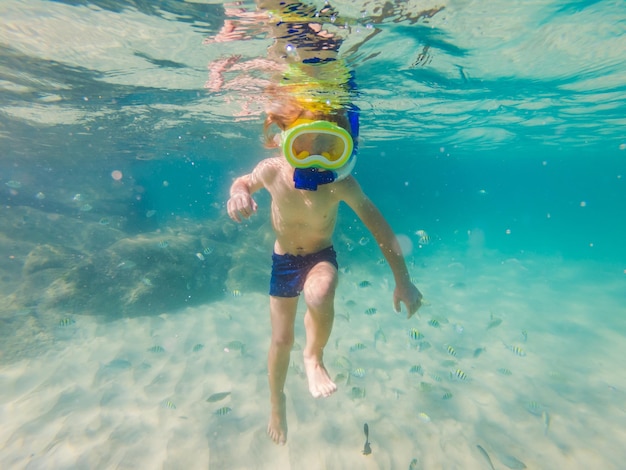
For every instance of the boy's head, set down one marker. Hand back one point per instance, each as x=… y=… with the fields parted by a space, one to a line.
x=317 y=141
x=284 y=112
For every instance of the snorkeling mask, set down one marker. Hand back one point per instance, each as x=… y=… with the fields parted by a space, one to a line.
x=321 y=152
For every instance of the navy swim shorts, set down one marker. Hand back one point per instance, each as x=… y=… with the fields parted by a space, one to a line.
x=289 y=271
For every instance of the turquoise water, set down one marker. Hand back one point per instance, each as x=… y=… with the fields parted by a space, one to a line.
x=497 y=127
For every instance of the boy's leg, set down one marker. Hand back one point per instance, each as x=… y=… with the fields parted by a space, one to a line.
x=319 y=293
x=282 y=315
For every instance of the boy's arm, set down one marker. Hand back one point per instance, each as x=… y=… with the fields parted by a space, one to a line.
x=240 y=204
x=369 y=214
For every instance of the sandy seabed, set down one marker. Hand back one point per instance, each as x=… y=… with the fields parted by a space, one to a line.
x=522 y=357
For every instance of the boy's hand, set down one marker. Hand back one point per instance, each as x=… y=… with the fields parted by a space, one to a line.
x=410 y=296
x=240 y=205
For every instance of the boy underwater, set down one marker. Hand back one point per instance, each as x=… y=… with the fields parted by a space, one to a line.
x=306 y=184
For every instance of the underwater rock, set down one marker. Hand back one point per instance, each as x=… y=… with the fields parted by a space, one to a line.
x=49 y=256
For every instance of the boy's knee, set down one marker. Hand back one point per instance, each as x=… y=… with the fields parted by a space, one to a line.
x=283 y=340
x=319 y=293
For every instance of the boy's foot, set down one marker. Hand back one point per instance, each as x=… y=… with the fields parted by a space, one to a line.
x=277 y=427
x=320 y=384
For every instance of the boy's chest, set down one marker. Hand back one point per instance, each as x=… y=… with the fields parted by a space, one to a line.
x=297 y=204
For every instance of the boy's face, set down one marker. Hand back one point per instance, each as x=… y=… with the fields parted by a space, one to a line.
x=317 y=144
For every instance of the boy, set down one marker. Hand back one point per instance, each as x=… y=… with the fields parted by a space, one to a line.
x=304 y=259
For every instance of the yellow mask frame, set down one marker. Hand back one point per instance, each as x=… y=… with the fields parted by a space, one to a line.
x=336 y=154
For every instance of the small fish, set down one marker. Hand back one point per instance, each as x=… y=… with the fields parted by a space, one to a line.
x=357 y=393
x=423 y=417
x=459 y=374
x=512 y=462
x=67 y=321
x=85 y=208
x=207 y=251
x=415 y=334
x=150 y=213
x=13 y=184
x=364 y=284
x=451 y=351
x=236 y=293
x=434 y=323
x=416 y=369
x=515 y=349
x=486 y=455
x=169 y=404
x=535 y=408
x=223 y=411
x=423 y=346
x=447 y=395
x=217 y=397
x=426 y=387
x=77 y=197
x=40 y=196
x=200 y=256
x=197 y=347
x=367 y=449
x=164 y=244
x=493 y=322
x=414 y=465
x=343 y=362
x=104 y=221
x=341 y=377
x=545 y=417
x=344 y=316
x=156 y=349
x=235 y=345
x=381 y=261
x=371 y=311
x=423 y=237
x=505 y=371
x=436 y=377
x=359 y=372
x=380 y=336
x=146 y=281
x=479 y=351
x=364 y=241
x=357 y=347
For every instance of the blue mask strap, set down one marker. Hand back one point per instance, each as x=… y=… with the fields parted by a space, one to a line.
x=311 y=178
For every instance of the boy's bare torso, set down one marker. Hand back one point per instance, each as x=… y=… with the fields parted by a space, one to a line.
x=304 y=221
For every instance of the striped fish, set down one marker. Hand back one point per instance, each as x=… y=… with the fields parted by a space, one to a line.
x=459 y=374
x=357 y=347
x=223 y=411
x=169 y=404
x=515 y=349
x=451 y=351
x=415 y=334
x=67 y=321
